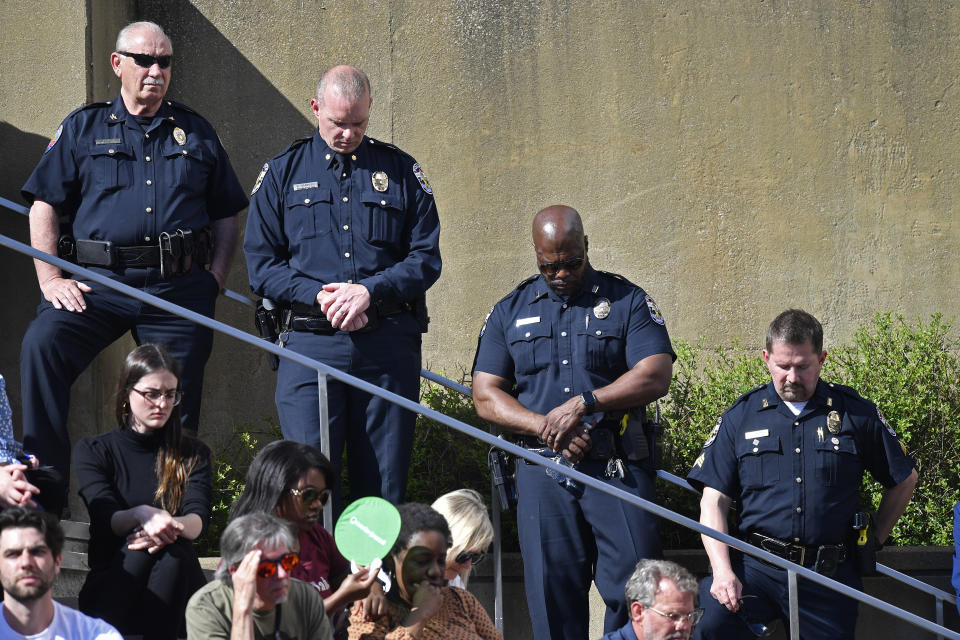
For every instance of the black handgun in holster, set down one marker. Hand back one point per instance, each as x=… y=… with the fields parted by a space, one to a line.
x=267 y=319
x=867 y=544
x=503 y=471
x=67 y=247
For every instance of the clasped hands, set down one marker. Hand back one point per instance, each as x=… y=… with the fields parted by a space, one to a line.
x=345 y=305
x=155 y=532
x=563 y=432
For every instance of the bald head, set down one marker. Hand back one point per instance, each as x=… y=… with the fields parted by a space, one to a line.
x=555 y=223
x=345 y=82
x=561 y=248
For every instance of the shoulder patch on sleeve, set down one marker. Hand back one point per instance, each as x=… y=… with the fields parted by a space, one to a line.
x=713 y=434
x=53 y=140
x=422 y=178
x=887 y=425
x=655 y=314
x=484 y=327
x=263 y=172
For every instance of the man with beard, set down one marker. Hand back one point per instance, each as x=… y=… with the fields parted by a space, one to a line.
x=792 y=453
x=30 y=546
x=662 y=597
x=568 y=361
x=253 y=595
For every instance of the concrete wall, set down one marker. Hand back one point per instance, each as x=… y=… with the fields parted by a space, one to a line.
x=731 y=157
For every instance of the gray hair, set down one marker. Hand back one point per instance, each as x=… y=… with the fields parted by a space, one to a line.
x=644 y=584
x=245 y=533
x=348 y=81
x=125 y=33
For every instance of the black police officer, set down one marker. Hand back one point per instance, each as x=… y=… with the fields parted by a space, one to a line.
x=562 y=348
x=125 y=175
x=793 y=453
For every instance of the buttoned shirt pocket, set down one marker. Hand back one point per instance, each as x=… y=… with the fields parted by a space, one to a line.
x=759 y=461
x=112 y=165
x=188 y=165
x=602 y=342
x=530 y=347
x=384 y=216
x=838 y=462
x=308 y=213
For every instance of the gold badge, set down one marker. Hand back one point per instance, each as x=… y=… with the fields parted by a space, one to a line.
x=380 y=181
x=180 y=136
x=833 y=422
x=602 y=309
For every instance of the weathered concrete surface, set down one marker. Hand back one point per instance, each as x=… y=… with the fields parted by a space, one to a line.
x=733 y=158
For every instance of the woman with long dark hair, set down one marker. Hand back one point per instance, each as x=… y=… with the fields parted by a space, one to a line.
x=147 y=489
x=293 y=481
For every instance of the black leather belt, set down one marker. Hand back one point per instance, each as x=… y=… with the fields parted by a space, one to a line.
x=309 y=318
x=799 y=554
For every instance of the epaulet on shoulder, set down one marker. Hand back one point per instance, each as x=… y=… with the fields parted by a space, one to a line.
x=518 y=288
x=844 y=389
x=615 y=276
x=387 y=145
x=293 y=145
x=746 y=395
x=182 y=107
x=92 y=105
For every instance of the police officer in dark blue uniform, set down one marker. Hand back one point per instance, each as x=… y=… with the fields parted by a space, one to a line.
x=144 y=187
x=793 y=453
x=567 y=361
x=343 y=235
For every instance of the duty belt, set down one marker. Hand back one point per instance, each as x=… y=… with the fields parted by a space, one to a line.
x=170 y=253
x=306 y=318
x=796 y=553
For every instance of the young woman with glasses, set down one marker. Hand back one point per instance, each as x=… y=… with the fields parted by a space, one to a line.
x=471 y=529
x=293 y=481
x=147 y=490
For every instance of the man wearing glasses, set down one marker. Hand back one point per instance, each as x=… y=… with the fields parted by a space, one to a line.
x=568 y=361
x=253 y=594
x=140 y=190
x=793 y=453
x=662 y=597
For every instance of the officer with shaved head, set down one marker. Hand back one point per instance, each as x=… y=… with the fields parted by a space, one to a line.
x=567 y=362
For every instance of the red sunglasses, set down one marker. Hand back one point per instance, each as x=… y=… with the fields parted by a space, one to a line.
x=268 y=568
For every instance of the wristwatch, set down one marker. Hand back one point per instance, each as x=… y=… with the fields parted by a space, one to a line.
x=589 y=401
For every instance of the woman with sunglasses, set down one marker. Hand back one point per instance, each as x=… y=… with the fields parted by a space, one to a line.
x=147 y=490
x=471 y=529
x=292 y=480
x=421 y=605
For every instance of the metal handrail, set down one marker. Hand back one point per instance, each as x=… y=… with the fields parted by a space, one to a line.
x=324 y=370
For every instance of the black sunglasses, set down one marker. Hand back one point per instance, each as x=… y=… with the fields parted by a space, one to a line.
x=757 y=628
x=309 y=495
x=463 y=556
x=268 y=568
x=145 y=61
x=551 y=268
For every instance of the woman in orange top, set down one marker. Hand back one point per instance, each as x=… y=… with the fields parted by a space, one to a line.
x=420 y=604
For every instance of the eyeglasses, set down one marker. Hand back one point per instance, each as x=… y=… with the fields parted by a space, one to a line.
x=676 y=618
x=173 y=396
x=552 y=268
x=145 y=61
x=474 y=557
x=309 y=495
x=757 y=628
x=268 y=568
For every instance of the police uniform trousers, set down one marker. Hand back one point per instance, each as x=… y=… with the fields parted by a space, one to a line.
x=377 y=434
x=60 y=344
x=564 y=534
x=824 y=613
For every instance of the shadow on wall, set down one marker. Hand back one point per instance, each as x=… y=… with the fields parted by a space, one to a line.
x=21 y=151
x=254 y=120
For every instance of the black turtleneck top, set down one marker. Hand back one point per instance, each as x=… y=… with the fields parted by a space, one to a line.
x=116 y=471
